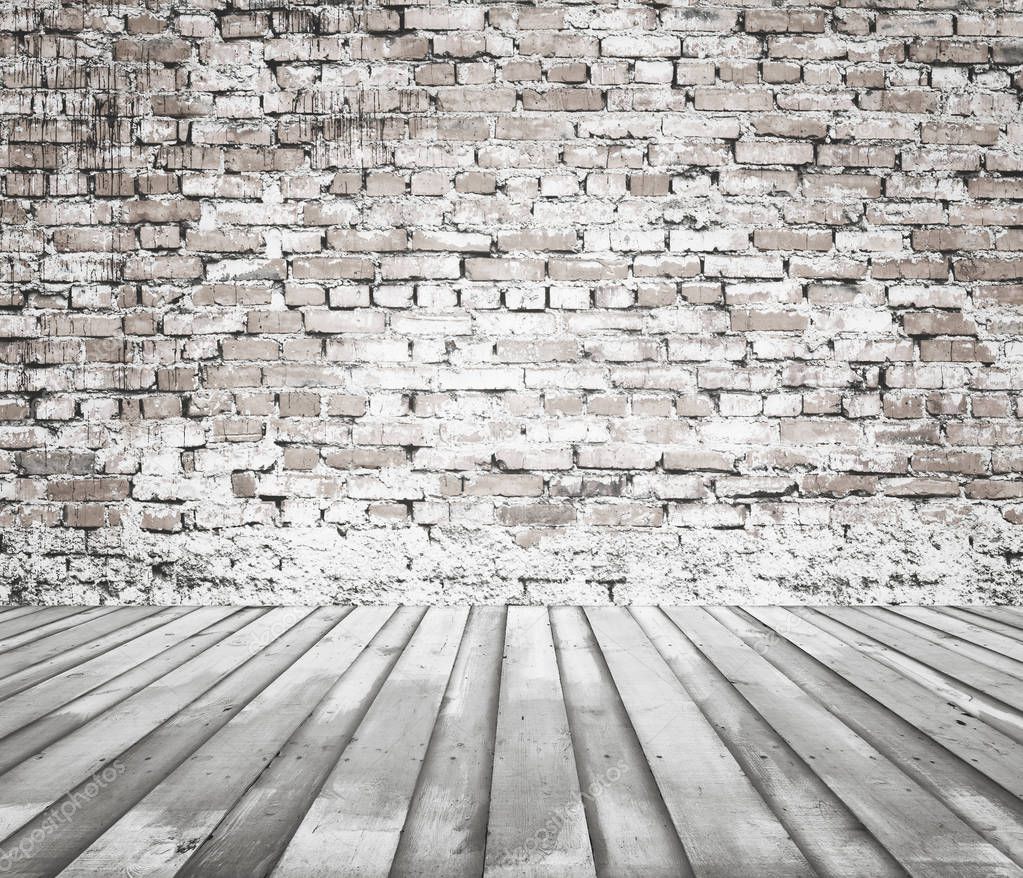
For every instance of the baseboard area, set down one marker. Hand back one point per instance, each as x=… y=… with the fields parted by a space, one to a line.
x=866 y=553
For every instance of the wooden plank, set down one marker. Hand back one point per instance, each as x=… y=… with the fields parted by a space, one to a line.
x=445 y=832
x=725 y=826
x=160 y=833
x=12 y=611
x=830 y=836
x=922 y=833
x=959 y=646
x=28 y=740
x=1000 y=652
x=28 y=618
x=980 y=803
x=45 y=658
x=947 y=737
x=356 y=820
x=251 y=838
x=631 y=831
x=32 y=786
x=1010 y=632
x=537 y=826
x=69 y=620
x=992 y=683
x=143 y=765
x=943 y=718
x=968 y=699
x=31 y=704
x=999 y=615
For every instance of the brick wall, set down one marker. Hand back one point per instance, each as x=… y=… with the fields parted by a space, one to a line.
x=511 y=301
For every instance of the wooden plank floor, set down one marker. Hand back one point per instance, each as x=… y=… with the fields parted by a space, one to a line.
x=504 y=742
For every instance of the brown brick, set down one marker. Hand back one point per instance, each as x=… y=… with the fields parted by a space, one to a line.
x=100 y=488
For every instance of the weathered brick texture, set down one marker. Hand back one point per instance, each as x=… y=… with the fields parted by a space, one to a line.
x=511 y=301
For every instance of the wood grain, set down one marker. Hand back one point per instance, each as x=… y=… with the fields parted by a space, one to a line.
x=397 y=742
